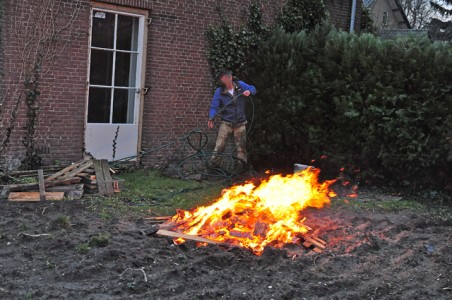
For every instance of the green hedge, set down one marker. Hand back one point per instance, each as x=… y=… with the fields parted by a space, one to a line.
x=381 y=107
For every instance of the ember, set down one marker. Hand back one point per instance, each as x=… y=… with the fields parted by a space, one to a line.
x=256 y=216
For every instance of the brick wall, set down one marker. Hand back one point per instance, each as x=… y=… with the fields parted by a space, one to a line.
x=177 y=71
x=1 y=48
x=60 y=130
x=340 y=13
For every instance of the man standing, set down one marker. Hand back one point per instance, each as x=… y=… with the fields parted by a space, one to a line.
x=230 y=99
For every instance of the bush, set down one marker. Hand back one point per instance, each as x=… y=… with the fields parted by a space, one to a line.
x=383 y=107
x=298 y=15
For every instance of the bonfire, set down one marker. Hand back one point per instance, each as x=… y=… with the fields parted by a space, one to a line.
x=255 y=216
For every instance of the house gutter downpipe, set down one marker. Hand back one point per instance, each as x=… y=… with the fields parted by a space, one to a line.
x=353 y=17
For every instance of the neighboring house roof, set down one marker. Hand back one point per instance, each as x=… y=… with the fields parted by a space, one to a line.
x=371 y=3
x=395 y=33
x=405 y=18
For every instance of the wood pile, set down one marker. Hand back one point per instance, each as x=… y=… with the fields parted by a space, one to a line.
x=87 y=176
x=310 y=243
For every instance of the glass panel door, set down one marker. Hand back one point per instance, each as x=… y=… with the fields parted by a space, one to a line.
x=114 y=83
x=113 y=71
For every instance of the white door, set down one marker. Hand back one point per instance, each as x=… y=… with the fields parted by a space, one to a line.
x=112 y=130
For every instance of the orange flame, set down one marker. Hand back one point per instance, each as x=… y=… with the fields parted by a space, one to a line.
x=255 y=216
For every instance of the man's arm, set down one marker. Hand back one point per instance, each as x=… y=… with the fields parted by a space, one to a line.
x=247 y=87
x=215 y=104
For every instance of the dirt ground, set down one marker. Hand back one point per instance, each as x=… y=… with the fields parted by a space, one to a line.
x=370 y=255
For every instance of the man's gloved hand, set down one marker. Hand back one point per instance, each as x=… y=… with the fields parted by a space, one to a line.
x=210 y=123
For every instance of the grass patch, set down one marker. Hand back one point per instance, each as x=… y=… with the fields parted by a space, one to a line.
x=64 y=221
x=84 y=248
x=382 y=205
x=144 y=193
x=100 y=240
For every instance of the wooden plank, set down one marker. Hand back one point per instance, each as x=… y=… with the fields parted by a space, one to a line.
x=319 y=240
x=159 y=218
x=100 y=177
x=35 y=186
x=107 y=177
x=116 y=188
x=307 y=244
x=66 y=188
x=34 y=196
x=42 y=185
x=79 y=169
x=314 y=242
x=317 y=250
x=103 y=177
x=189 y=237
x=64 y=171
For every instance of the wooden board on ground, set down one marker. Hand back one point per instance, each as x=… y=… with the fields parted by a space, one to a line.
x=103 y=177
x=189 y=237
x=34 y=196
x=160 y=218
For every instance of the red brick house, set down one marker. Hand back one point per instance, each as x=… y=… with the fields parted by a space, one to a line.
x=92 y=73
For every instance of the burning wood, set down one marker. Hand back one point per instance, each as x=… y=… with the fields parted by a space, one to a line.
x=255 y=216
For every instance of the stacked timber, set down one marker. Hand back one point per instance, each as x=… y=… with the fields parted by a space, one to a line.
x=86 y=176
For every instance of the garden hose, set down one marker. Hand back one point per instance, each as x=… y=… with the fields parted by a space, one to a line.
x=197 y=165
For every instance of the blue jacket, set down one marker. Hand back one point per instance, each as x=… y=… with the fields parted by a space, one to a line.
x=234 y=112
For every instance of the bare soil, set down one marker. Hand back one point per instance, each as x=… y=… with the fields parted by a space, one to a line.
x=370 y=255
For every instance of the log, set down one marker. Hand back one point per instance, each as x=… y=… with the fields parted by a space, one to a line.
x=34 y=196
x=189 y=237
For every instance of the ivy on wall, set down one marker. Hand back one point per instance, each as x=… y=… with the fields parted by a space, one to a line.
x=230 y=47
x=233 y=48
x=298 y=15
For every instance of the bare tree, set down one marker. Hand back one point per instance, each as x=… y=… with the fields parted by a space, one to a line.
x=443 y=7
x=418 y=12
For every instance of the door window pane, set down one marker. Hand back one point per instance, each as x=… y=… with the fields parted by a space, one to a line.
x=127 y=38
x=99 y=105
x=103 y=32
x=124 y=106
x=125 y=73
x=101 y=67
